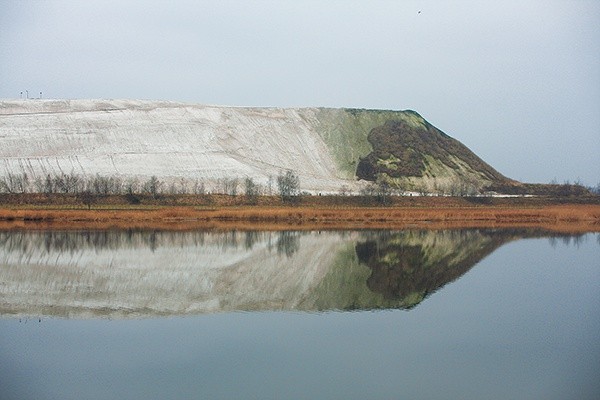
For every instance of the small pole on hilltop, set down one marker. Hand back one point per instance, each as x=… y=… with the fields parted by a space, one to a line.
x=27 y=93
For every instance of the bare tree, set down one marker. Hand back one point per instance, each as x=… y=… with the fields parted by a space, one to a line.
x=153 y=186
x=70 y=183
x=14 y=183
x=199 y=188
x=38 y=185
x=172 y=188
x=132 y=186
x=251 y=191
x=383 y=190
x=48 y=185
x=229 y=186
x=289 y=186
x=344 y=191
x=182 y=186
x=368 y=190
x=105 y=185
x=270 y=185
x=87 y=198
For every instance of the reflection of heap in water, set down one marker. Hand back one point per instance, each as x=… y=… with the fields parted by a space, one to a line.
x=408 y=266
x=399 y=269
x=147 y=274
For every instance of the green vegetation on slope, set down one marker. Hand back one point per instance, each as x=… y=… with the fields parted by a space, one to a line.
x=403 y=149
x=345 y=132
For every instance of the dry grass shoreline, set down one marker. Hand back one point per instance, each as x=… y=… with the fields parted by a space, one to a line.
x=568 y=217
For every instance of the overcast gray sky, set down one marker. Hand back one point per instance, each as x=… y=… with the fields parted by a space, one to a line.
x=516 y=81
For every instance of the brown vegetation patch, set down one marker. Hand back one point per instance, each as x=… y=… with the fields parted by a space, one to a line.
x=566 y=218
x=409 y=146
x=185 y=212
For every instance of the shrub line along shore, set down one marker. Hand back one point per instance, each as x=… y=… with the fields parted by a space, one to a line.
x=429 y=213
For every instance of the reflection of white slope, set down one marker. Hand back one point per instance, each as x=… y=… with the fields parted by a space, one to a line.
x=170 y=140
x=177 y=279
x=280 y=282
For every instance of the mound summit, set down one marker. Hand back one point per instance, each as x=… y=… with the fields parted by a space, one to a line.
x=327 y=148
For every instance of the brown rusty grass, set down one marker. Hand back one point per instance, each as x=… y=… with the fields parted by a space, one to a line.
x=565 y=218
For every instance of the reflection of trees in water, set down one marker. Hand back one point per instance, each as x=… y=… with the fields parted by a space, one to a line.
x=575 y=240
x=288 y=243
x=72 y=241
x=417 y=263
x=284 y=242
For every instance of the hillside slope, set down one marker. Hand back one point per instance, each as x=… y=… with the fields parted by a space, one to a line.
x=174 y=141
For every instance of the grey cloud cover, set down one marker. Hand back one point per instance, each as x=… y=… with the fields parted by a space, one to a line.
x=518 y=82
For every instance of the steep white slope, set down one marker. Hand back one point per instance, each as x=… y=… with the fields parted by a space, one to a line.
x=170 y=140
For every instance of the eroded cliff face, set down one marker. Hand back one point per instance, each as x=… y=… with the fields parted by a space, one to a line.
x=327 y=148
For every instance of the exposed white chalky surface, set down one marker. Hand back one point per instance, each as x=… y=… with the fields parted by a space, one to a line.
x=170 y=140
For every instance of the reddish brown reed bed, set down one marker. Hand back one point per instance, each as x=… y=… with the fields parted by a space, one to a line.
x=565 y=218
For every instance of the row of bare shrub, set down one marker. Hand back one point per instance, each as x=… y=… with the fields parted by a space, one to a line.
x=86 y=187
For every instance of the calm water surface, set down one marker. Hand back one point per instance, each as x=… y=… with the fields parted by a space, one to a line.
x=473 y=314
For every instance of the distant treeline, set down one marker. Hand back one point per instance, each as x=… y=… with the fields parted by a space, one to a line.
x=73 y=183
x=101 y=185
x=88 y=188
x=286 y=185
